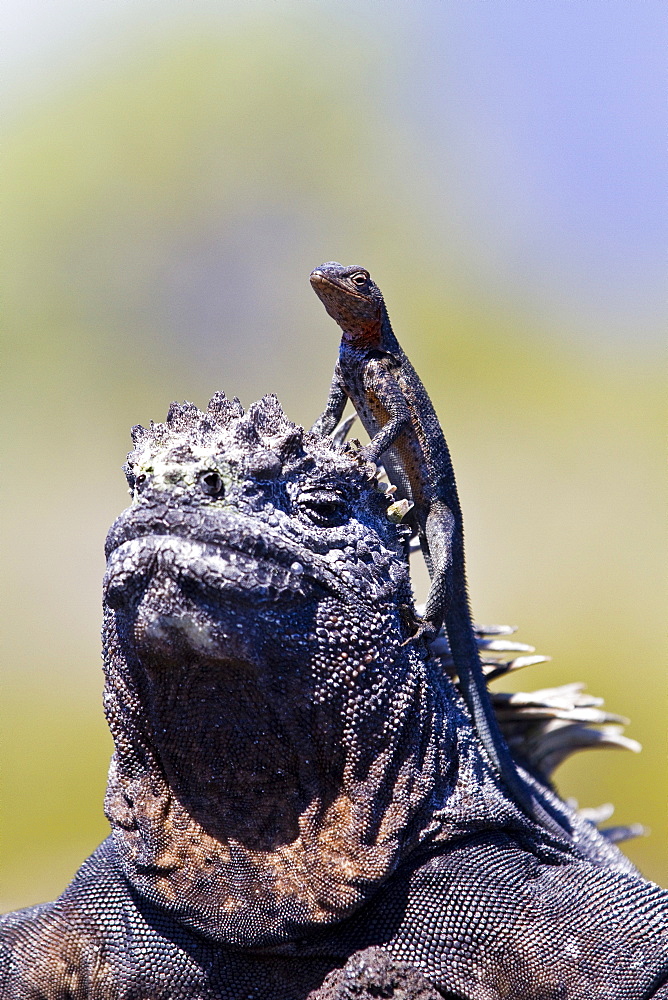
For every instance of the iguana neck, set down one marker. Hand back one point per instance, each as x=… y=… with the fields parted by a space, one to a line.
x=255 y=799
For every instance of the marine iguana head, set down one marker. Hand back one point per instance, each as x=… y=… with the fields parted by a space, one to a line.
x=352 y=299
x=277 y=750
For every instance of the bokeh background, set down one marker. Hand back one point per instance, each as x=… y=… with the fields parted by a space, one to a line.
x=172 y=173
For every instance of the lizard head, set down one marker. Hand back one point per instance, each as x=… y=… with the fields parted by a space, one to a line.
x=353 y=299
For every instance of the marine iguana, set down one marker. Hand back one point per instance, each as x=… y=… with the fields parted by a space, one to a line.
x=294 y=790
x=397 y=413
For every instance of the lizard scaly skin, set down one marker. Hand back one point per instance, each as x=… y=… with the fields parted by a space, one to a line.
x=392 y=403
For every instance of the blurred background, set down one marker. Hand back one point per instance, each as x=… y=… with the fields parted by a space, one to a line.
x=174 y=171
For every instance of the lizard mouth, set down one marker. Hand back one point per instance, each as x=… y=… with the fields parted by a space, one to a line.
x=357 y=314
x=202 y=570
x=320 y=280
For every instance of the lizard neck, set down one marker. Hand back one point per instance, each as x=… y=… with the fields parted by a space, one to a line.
x=388 y=342
x=254 y=798
x=370 y=334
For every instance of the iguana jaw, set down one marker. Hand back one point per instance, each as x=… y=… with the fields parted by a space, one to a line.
x=231 y=556
x=242 y=796
x=205 y=572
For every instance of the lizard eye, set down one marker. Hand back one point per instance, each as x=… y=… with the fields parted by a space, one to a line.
x=211 y=484
x=324 y=508
x=359 y=277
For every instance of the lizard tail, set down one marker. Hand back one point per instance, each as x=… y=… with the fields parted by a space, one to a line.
x=543 y=728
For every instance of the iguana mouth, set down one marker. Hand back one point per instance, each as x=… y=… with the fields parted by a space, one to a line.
x=203 y=570
x=232 y=556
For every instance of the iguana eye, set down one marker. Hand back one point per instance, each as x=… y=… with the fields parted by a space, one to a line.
x=211 y=484
x=324 y=508
x=360 y=277
x=136 y=481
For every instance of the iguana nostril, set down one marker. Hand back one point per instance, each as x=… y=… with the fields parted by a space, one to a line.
x=211 y=484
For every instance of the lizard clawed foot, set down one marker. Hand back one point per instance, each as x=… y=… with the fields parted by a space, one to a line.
x=426 y=633
x=370 y=454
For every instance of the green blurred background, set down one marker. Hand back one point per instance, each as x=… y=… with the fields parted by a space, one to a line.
x=172 y=174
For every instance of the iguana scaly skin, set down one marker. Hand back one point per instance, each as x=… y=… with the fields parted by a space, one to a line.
x=299 y=804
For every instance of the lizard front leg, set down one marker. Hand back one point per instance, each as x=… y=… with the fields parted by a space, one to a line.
x=336 y=404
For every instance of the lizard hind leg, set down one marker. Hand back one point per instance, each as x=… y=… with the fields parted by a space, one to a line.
x=448 y=603
x=425 y=633
x=429 y=624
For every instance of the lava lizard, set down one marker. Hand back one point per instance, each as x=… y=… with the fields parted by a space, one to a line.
x=397 y=413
